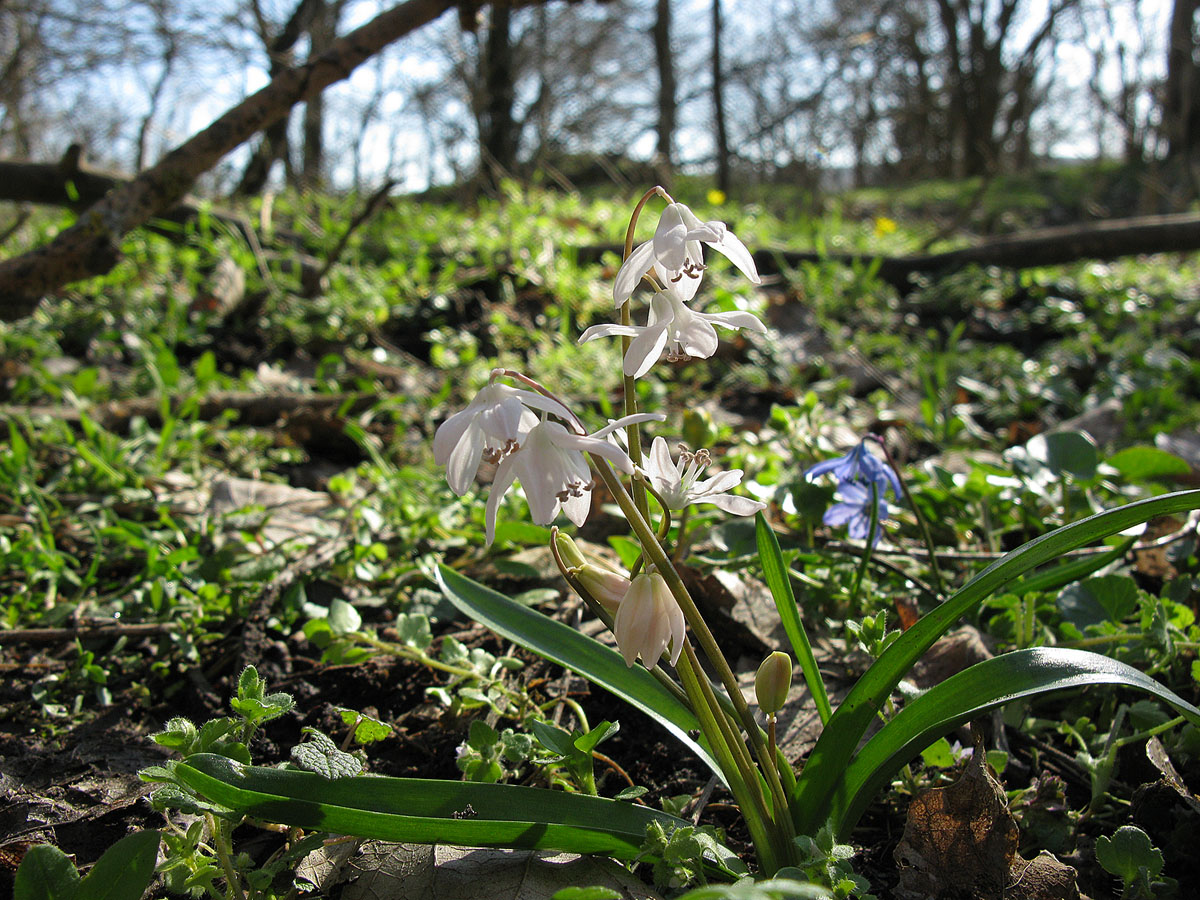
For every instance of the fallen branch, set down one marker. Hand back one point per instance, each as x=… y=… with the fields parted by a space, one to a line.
x=1026 y=250
x=91 y=246
x=253 y=410
x=84 y=632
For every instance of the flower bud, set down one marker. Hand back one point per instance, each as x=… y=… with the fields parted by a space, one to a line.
x=568 y=552
x=773 y=681
x=606 y=587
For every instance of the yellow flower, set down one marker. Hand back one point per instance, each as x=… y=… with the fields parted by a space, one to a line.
x=716 y=197
x=884 y=225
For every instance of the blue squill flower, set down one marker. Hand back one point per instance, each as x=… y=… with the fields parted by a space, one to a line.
x=854 y=509
x=859 y=466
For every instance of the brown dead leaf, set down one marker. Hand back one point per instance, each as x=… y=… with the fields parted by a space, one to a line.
x=960 y=843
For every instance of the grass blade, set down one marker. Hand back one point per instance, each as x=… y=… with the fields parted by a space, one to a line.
x=423 y=810
x=776 y=574
x=994 y=682
x=824 y=769
x=581 y=654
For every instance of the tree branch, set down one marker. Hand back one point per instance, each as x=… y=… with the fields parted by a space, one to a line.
x=92 y=245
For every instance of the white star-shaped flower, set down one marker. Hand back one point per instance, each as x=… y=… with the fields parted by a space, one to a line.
x=679 y=484
x=675 y=255
x=554 y=472
x=673 y=326
x=491 y=426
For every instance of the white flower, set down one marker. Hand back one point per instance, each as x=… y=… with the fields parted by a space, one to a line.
x=554 y=472
x=649 y=621
x=491 y=427
x=674 y=326
x=678 y=484
x=674 y=252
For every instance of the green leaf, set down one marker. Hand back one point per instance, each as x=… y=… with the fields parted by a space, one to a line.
x=366 y=728
x=1071 y=570
x=423 y=810
x=813 y=793
x=583 y=655
x=343 y=618
x=553 y=738
x=1143 y=463
x=776 y=574
x=1072 y=452
x=124 y=871
x=321 y=755
x=1109 y=598
x=587 y=893
x=1127 y=852
x=45 y=874
x=961 y=697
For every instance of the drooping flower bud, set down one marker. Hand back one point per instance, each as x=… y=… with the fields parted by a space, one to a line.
x=773 y=681
x=649 y=621
x=606 y=587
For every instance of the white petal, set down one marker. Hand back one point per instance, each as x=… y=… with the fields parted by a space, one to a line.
x=697 y=338
x=588 y=444
x=678 y=630
x=545 y=404
x=464 y=461
x=635 y=266
x=738 y=255
x=659 y=463
x=719 y=483
x=736 y=319
x=577 y=508
x=635 y=419
x=608 y=330
x=500 y=486
x=449 y=433
x=644 y=350
x=734 y=505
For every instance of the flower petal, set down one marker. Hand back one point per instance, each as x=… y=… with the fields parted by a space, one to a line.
x=464 y=460
x=735 y=505
x=500 y=485
x=608 y=330
x=630 y=274
x=644 y=350
x=449 y=433
x=738 y=254
x=736 y=319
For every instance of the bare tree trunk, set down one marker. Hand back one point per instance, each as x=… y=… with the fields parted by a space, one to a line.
x=92 y=245
x=497 y=128
x=167 y=61
x=1181 y=106
x=721 y=136
x=274 y=142
x=322 y=32
x=667 y=104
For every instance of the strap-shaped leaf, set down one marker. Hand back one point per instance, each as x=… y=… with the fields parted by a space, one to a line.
x=825 y=767
x=425 y=811
x=776 y=575
x=945 y=706
x=581 y=654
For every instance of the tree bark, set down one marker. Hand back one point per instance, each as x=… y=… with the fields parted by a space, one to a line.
x=667 y=104
x=92 y=246
x=1181 y=105
x=718 y=89
x=497 y=128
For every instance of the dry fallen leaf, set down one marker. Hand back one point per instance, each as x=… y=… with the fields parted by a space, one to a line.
x=960 y=843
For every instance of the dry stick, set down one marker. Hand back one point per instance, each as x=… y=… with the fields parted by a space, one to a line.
x=92 y=245
x=84 y=632
x=375 y=201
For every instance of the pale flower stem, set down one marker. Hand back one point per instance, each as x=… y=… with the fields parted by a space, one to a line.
x=658 y=557
x=866 y=557
x=544 y=391
x=924 y=525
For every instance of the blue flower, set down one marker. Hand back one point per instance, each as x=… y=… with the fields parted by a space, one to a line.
x=854 y=510
x=859 y=466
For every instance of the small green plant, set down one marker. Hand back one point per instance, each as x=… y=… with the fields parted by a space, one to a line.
x=124 y=872
x=1131 y=856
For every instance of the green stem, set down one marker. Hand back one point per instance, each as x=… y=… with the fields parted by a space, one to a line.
x=658 y=557
x=926 y=535
x=866 y=557
x=751 y=803
x=221 y=843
